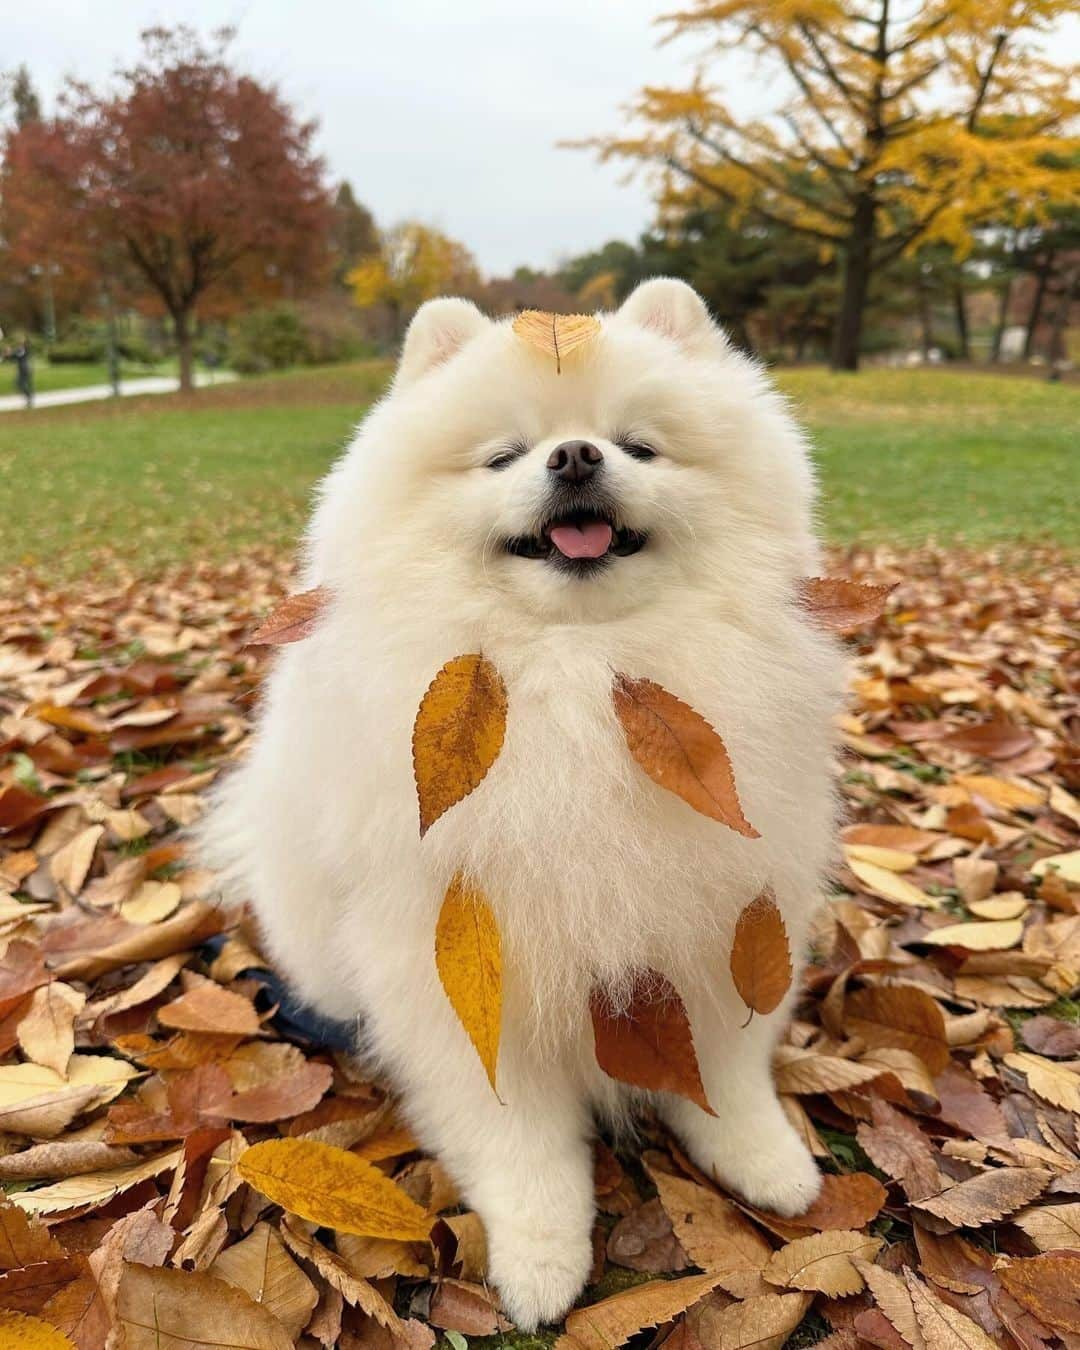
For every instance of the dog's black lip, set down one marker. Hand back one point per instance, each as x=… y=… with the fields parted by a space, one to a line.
x=624 y=543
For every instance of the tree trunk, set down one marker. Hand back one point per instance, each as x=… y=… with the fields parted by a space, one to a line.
x=858 y=265
x=1002 y=320
x=926 y=319
x=963 y=334
x=185 y=350
x=1042 y=280
x=1056 y=350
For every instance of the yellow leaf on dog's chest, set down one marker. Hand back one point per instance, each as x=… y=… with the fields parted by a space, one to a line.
x=468 y=955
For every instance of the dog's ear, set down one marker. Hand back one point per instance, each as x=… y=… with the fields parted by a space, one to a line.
x=674 y=310
x=438 y=329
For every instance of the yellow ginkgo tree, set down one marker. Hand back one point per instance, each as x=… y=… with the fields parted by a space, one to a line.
x=414 y=263
x=896 y=123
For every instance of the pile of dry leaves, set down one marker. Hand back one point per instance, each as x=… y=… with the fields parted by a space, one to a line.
x=181 y=1171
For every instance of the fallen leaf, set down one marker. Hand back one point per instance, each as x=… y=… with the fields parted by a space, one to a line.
x=901 y=1016
x=978 y=937
x=1048 y=1286
x=262 y=1268
x=94 y=1189
x=1063 y=865
x=468 y=956
x=70 y=865
x=555 y=335
x=457 y=1305
x=888 y=885
x=1055 y=1083
x=851 y=1200
x=763 y=1322
x=650 y=1044
x=209 y=1007
x=986 y=1198
x=679 y=750
x=944 y=1327
x=20 y=1332
x=47 y=1030
x=1011 y=905
x=760 y=955
x=607 y=1324
x=332 y=1188
x=896 y=1145
x=1048 y=1036
x=714 y=1234
x=24 y=1241
x=840 y=605
x=293 y=619
x=457 y=735
x=1051 y=1226
x=891 y=1294
x=999 y=738
x=823 y=1262
x=188 y=1310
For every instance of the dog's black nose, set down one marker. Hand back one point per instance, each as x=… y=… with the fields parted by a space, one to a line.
x=575 y=461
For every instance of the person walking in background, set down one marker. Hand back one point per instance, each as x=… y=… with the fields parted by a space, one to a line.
x=24 y=375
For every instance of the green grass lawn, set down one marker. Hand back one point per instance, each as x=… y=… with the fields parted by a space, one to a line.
x=904 y=456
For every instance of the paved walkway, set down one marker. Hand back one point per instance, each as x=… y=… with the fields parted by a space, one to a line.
x=88 y=393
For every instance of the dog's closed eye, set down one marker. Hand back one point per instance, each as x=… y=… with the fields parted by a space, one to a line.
x=637 y=449
x=507 y=456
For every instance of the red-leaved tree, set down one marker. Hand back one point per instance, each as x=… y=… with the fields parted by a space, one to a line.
x=199 y=180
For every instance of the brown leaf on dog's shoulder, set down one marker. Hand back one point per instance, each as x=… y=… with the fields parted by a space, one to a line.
x=292 y=620
x=761 y=956
x=555 y=335
x=468 y=955
x=607 y=1324
x=679 y=750
x=650 y=1045
x=842 y=606
x=457 y=735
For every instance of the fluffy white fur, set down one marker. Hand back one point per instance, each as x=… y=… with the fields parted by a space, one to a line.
x=593 y=871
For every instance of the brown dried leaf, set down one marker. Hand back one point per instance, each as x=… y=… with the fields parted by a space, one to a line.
x=760 y=955
x=902 y=1016
x=609 y=1323
x=47 y=1029
x=823 y=1262
x=760 y=1323
x=944 y=1327
x=840 y=605
x=650 y=1045
x=1051 y=1226
x=1048 y=1286
x=679 y=750
x=293 y=619
x=262 y=1268
x=988 y=1197
x=457 y=735
x=208 y=1007
x=185 y=1310
x=895 y=1144
x=714 y=1234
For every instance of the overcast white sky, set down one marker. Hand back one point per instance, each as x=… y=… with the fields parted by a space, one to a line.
x=444 y=110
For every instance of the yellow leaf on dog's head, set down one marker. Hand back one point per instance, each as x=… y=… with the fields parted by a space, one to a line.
x=457 y=735
x=468 y=956
x=333 y=1188
x=555 y=334
x=760 y=955
x=678 y=749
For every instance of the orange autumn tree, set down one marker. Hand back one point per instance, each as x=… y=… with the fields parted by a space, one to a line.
x=200 y=177
x=895 y=124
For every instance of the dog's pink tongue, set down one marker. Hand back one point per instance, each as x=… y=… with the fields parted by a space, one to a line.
x=582 y=541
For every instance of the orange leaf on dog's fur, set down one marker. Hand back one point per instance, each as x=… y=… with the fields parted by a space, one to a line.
x=842 y=606
x=650 y=1045
x=291 y=621
x=457 y=735
x=555 y=334
x=761 y=956
x=678 y=749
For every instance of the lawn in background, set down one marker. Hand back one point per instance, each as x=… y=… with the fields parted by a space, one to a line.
x=904 y=456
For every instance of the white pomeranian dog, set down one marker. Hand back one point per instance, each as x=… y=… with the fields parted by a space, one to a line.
x=648 y=510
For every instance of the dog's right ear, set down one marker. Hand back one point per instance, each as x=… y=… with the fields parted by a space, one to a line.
x=438 y=329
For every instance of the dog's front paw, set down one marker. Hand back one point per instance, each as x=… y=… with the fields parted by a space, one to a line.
x=783 y=1179
x=539 y=1277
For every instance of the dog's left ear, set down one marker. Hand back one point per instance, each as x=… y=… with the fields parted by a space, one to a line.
x=673 y=309
x=438 y=329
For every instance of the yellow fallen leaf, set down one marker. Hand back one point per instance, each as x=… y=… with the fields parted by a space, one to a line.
x=18 y=1331
x=1007 y=905
x=886 y=884
x=995 y=936
x=555 y=334
x=47 y=1030
x=333 y=1188
x=69 y=865
x=468 y=956
x=823 y=1262
x=1006 y=793
x=892 y=859
x=1055 y=1083
x=152 y=902
x=1064 y=865
x=457 y=735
